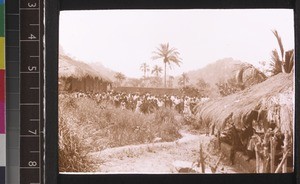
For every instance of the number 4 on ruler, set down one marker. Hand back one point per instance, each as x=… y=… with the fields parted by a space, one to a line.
x=31 y=37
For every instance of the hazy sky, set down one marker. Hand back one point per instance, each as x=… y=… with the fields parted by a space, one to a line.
x=123 y=39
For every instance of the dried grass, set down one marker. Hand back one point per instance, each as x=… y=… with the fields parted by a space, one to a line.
x=259 y=96
x=84 y=127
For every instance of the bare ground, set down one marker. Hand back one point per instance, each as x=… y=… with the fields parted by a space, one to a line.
x=160 y=157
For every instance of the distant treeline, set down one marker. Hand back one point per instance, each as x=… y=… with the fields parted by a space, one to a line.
x=153 y=91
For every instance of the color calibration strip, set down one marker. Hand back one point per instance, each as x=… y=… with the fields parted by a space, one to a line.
x=2 y=95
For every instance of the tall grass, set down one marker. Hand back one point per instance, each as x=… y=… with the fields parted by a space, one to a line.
x=85 y=127
x=73 y=152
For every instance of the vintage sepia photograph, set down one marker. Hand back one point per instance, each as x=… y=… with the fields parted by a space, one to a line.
x=176 y=91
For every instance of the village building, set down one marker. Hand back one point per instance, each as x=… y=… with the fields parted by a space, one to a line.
x=75 y=76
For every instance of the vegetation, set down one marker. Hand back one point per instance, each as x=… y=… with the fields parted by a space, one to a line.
x=86 y=127
x=169 y=55
x=203 y=87
x=120 y=78
x=228 y=87
x=156 y=70
x=190 y=91
x=145 y=68
x=183 y=80
x=283 y=62
x=170 y=81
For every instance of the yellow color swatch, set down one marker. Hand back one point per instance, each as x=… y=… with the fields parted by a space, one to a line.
x=2 y=53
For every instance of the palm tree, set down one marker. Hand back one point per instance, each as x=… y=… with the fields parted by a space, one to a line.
x=157 y=70
x=284 y=64
x=144 y=67
x=170 y=81
x=120 y=77
x=183 y=79
x=168 y=55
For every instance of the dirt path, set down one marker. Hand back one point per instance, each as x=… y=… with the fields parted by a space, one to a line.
x=162 y=157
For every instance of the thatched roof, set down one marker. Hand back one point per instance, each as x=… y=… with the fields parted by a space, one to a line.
x=69 y=67
x=277 y=91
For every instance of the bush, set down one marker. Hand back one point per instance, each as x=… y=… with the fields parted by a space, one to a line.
x=85 y=127
x=73 y=153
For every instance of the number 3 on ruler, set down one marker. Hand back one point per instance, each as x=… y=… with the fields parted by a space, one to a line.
x=31 y=5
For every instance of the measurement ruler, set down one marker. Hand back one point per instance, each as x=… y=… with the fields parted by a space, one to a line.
x=24 y=30
x=31 y=91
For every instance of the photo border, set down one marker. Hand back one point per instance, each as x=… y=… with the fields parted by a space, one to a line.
x=52 y=9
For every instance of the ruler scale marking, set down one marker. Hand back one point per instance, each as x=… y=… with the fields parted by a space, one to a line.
x=30 y=98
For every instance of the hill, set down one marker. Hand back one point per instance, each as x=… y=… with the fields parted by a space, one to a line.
x=99 y=67
x=70 y=67
x=222 y=71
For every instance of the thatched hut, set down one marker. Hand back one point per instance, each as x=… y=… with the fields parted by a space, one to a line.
x=271 y=103
x=75 y=76
x=273 y=100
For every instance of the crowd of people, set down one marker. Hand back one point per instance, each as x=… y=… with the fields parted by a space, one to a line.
x=144 y=103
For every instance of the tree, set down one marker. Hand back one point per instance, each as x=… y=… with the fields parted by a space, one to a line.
x=168 y=55
x=157 y=70
x=283 y=63
x=190 y=91
x=228 y=87
x=204 y=88
x=170 y=81
x=145 y=68
x=134 y=82
x=120 y=77
x=183 y=80
x=155 y=81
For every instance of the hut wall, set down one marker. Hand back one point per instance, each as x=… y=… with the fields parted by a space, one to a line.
x=86 y=84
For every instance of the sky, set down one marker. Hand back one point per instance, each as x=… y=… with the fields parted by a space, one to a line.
x=124 y=39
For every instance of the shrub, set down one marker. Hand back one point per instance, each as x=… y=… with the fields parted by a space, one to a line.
x=85 y=127
x=73 y=153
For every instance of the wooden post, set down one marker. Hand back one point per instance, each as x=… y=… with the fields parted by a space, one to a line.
x=202 y=159
x=257 y=160
x=219 y=139
x=266 y=160
x=282 y=162
x=273 y=144
x=266 y=154
x=285 y=147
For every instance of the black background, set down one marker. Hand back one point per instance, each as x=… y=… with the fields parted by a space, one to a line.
x=52 y=14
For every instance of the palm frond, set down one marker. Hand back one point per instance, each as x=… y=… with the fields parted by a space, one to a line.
x=156 y=56
x=289 y=61
x=175 y=60
x=275 y=63
x=279 y=42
